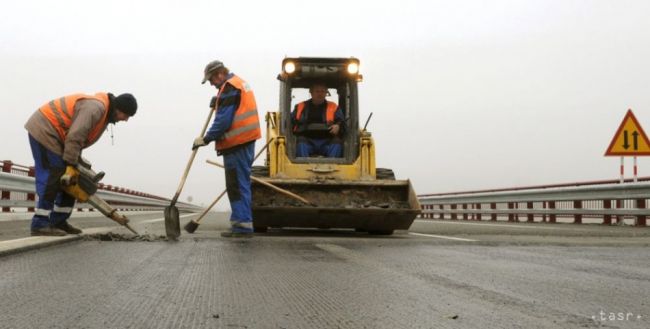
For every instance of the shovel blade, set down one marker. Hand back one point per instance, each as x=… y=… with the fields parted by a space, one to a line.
x=172 y=222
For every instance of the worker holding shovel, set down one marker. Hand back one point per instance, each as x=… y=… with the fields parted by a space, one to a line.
x=235 y=129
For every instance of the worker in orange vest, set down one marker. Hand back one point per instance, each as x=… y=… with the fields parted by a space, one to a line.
x=318 y=124
x=58 y=132
x=235 y=129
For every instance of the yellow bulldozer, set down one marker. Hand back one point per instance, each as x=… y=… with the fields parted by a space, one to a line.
x=342 y=192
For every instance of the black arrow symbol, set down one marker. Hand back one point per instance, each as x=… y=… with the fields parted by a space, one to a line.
x=625 y=144
x=635 y=134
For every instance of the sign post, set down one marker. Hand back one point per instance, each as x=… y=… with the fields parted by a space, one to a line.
x=622 y=169
x=629 y=140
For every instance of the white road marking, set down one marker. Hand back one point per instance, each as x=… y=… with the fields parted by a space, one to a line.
x=148 y=221
x=442 y=237
x=527 y=226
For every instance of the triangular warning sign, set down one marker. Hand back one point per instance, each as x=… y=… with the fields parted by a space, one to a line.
x=630 y=139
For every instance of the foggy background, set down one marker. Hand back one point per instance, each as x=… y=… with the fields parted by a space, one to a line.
x=465 y=94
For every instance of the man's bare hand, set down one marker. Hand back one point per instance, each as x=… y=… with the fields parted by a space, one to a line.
x=334 y=129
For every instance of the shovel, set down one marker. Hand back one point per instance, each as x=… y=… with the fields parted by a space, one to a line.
x=172 y=220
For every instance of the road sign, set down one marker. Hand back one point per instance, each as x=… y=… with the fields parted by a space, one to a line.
x=630 y=139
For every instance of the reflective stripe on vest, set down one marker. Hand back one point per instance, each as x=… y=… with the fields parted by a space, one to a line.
x=245 y=125
x=329 y=112
x=61 y=111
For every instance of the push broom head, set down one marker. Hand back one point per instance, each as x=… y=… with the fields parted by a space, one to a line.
x=191 y=226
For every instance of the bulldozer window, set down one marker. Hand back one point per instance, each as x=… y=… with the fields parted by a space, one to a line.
x=299 y=95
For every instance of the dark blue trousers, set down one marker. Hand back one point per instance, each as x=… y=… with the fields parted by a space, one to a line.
x=238 y=184
x=325 y=147
x=53 y=206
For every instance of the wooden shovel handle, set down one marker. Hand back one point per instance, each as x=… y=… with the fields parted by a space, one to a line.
x=205 y=211
x=265 y=183
x=189 y=163
x=283 y=191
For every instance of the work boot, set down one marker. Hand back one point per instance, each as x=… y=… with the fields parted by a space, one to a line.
x=48 y=231
x=231 y=234
x=65 y=226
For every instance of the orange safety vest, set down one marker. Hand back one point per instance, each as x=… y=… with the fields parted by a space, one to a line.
x=245 y=125
x=61 y=111
x=329 y=112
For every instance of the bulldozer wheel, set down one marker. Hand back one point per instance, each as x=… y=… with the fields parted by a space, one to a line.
x=260 y=171
x=385 y=173
x=260 y=229
x=380 y=232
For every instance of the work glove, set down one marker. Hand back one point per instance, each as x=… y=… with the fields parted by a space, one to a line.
x=213 y=102
x=70 y=177
x=198 y=142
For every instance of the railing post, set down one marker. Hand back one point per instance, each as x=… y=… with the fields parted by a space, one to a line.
x=577 y=218
x=531 y=216
x=472 y=214
x=493 y=217
x=453 y=214
x=6 y=195
x=511 y=216
x=478 y=214
x=640 y=219
x=551 y=217
x=517 y=214
x=464 y=211
x=31 y=196
x=619 y=205
x=607 y=219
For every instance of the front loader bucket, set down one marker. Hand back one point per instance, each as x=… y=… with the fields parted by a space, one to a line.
x=378 y=206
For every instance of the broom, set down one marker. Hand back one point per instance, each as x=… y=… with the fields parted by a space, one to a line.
x=192 y=225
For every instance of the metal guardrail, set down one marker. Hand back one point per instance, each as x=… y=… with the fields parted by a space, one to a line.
x=10 y=183
x=606 y=200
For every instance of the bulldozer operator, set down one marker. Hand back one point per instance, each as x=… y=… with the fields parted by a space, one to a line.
x=318 y=125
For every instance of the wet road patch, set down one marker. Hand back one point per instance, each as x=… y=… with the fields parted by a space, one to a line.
x=124 y=237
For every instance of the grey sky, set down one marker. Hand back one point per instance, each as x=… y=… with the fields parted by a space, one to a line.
x=465 y=94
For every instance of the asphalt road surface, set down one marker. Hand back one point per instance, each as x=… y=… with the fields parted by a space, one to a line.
x=441 y=274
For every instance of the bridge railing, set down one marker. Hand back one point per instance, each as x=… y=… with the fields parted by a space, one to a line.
x=606 y=200
x=18 y=191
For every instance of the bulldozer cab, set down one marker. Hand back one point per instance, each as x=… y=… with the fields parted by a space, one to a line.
x=347 y=192
x=340 y=76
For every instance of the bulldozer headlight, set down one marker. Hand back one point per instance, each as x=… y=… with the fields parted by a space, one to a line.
x=353 y=68
x=289 y=67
